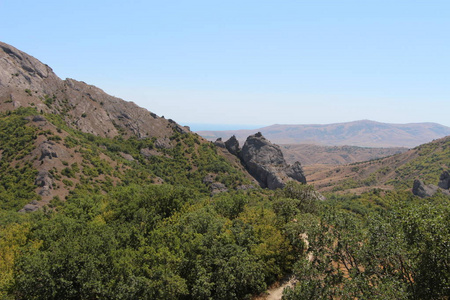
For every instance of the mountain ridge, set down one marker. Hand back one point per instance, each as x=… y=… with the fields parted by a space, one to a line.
x=362 y=133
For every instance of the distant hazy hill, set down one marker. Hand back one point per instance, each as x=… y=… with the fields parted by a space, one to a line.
x=359 y=133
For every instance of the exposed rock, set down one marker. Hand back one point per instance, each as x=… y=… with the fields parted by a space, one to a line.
x=38 y=118
x=219 y=143
x=265 y=162
x=217 y=187
x=47 y=150
x=444 y=180
x=295 y=171
x=24 y=80
x=232 y=145
x=30 y=207
x=245 y=187
x=426 y=190
x=127 y=156
x=163 y=143
x=44 y=180
x=147 y=153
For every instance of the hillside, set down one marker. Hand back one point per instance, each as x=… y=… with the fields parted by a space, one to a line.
x=101 y=199
x=309 y=154
x=65 y=135
x=359 y=133
x=426 y=162
x=27 y=82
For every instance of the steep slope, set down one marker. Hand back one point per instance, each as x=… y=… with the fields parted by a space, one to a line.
x=26 y=82
x=426 y=162
x=359 y=133
x=60 y=136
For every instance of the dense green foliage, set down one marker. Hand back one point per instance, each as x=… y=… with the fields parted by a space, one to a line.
x=16 y=178
x=118 y=235
x=400 y=252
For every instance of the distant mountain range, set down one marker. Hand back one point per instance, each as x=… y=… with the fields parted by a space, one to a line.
x=364 y=133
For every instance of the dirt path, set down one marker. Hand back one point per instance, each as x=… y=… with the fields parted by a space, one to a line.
x=277 y=292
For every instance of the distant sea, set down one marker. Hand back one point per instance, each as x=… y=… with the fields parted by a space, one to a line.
x=212 y=127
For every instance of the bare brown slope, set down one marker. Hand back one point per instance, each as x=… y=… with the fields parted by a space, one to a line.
x=25 y=81
x=334 y=155
x=425 y=161
x=359 y=133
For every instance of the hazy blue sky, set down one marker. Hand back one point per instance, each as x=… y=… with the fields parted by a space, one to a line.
x=249 y=62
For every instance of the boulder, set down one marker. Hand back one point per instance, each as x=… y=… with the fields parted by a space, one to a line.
x=444 y=180
x=217 y=187
x=232 y=145
x=163 y=143
x=422 y=190
x=295 y=171
x=127 y=156
x=219 y=143
x=47 y=150
x=265 y=162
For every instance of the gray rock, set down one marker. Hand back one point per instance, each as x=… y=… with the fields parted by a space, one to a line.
x=47 y=150
x=422 y=190
x=295 y=171
x=232 y=145
x=38 y=118
x=163 y=143
x=219 y=143
x=245 y=187
x=444 y=180
x=29 y=208
x=147 y=153
x=218 y=187
x=43 y=179
x=265 y=162
x=127 y=156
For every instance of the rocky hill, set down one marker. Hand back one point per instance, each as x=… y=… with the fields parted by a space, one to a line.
x=27 y=82
x=264 y=161
x=425 y=162
x=359 y=133
x=58 y=136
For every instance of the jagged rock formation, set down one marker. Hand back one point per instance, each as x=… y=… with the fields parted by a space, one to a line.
x=25 y=82
x=265 y=161
x=427 y=190
x=232 y=145
x=444 y=180
x=219 y=143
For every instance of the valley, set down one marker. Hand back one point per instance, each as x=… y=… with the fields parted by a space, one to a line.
x=103 y=199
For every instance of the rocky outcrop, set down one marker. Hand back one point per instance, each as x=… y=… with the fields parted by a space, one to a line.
x=232 y=145
x=30 y=207
x=427 y=190
x=47 y=150
x=25 y=81
x=265 y=161
x=44 y=180
x=444 y=180
x=214 y=186
x=219 y=143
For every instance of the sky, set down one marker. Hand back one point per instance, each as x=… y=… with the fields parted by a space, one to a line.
x=243 y=64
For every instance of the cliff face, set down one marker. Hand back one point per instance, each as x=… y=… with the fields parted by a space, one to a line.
x=25 y=81
x=265 y=162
